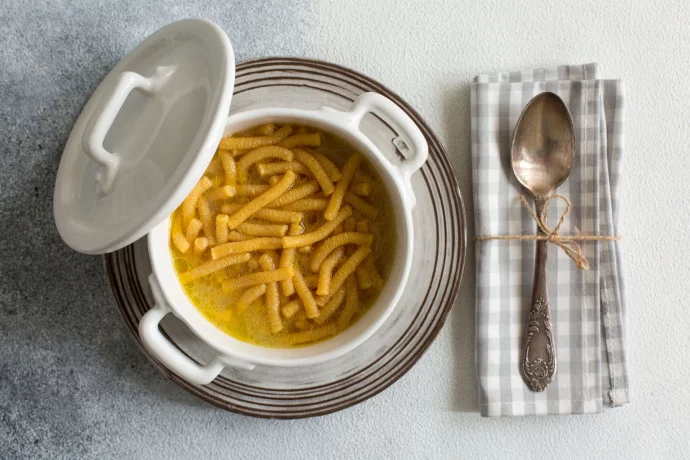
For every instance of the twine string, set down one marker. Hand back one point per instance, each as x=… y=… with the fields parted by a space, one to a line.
x=551 y=235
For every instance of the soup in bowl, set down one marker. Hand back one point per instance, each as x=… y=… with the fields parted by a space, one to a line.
x=287 y=243
x=294 y=246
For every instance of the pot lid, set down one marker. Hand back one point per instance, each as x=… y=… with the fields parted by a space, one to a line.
x=145 y=137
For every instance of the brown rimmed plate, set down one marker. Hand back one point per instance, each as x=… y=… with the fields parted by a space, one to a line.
x=437 y=265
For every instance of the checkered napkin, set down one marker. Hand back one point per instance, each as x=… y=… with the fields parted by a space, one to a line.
x=587 y=307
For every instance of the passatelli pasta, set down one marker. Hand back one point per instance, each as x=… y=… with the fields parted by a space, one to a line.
x=287 y=238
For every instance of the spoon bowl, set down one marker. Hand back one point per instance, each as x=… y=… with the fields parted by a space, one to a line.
x=543 y=149
x=543 y=145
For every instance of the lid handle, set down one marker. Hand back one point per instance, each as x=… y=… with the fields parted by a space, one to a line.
x=98 y=128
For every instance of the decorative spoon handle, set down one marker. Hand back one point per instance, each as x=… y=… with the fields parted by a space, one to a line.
x=538 y=363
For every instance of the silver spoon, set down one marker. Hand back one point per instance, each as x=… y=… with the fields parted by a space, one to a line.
x=542 y=156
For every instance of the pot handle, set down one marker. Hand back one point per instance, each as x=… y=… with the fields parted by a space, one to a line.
x=167 y=353
x=100 y=124
x=411 y=141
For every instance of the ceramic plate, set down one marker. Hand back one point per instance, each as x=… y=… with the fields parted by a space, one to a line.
x=437 y=264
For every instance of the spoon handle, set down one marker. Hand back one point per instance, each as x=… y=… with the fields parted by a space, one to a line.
x=538 y=360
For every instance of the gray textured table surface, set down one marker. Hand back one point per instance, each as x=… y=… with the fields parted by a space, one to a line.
x=73 y=384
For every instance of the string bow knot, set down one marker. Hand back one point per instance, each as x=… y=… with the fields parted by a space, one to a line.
x=566 y=242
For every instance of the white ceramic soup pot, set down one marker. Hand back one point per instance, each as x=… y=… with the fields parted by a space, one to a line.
x=171 y=298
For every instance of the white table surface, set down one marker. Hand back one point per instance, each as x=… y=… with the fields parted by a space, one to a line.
x=74 y=385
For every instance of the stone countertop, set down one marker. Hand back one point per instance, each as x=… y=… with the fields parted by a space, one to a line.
x=73 y=383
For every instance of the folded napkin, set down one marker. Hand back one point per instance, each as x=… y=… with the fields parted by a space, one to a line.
x=587 y=307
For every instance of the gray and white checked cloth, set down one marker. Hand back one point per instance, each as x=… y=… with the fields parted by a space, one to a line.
x=587 y=307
